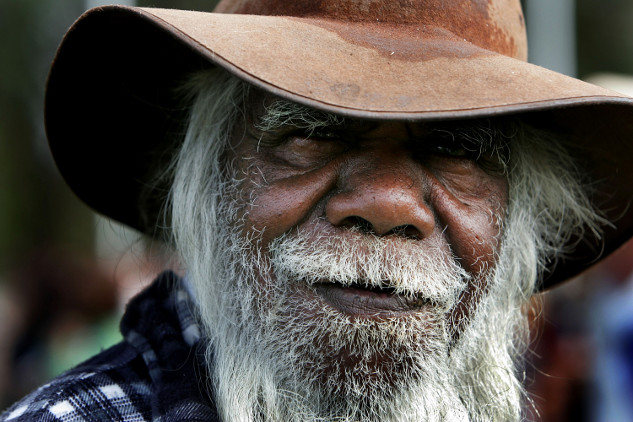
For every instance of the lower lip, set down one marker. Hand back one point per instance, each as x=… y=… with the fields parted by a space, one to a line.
x=366 y=303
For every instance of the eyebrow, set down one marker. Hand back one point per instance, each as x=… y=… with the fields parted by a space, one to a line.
x=282 y=113
x=491 y=135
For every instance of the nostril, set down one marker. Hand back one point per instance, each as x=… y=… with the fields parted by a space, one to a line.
x=407 y=231
x=357 y=223
x=363 y=226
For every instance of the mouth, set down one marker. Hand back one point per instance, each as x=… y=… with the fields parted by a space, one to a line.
x=364 y=301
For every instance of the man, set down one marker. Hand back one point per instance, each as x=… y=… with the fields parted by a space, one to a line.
x=362 y=195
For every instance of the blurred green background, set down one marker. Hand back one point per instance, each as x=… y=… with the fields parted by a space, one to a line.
x=65 y=274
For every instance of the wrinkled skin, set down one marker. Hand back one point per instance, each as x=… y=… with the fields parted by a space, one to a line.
x=390 y=179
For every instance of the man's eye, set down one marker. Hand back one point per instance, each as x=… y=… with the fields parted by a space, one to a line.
x=301 y=149
x=492 y=160
x=323 y=133
x=456 y=150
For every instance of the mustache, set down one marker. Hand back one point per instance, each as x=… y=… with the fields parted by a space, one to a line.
x=402 y=266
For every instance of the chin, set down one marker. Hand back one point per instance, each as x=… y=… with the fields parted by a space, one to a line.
x=355 y=353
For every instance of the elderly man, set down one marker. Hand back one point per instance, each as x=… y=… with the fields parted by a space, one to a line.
x=362 y=196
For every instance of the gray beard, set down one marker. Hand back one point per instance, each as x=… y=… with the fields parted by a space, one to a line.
x=270 y=363
x=262 y=357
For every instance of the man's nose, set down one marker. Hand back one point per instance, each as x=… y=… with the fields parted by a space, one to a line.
x=383 y=194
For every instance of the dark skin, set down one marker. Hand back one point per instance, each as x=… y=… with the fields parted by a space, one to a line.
x=389 y=179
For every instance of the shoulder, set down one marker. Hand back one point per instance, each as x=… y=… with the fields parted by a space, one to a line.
x=114 y=386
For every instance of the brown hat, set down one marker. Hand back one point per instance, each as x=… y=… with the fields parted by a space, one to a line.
x=110 y=90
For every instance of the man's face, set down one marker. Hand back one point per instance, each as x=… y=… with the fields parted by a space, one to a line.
x=357 y=270
x=424 y=191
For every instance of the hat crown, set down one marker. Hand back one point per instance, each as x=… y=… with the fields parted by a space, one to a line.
x=495 y=25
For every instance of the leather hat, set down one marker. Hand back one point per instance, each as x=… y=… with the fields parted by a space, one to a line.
x=110 y=98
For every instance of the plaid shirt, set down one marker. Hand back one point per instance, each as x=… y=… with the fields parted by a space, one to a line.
x=154 y=374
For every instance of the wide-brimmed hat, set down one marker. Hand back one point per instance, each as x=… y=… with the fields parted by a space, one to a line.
x=110 y=97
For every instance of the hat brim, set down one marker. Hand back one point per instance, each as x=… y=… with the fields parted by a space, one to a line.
x=110 y=95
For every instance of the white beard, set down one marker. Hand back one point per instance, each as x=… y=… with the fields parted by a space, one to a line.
x=261 y=356
x=270 y=363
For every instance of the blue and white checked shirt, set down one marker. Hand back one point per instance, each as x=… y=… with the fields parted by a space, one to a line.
x=154 y=374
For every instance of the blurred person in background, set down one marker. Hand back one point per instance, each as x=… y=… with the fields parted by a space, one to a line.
x=361 y=199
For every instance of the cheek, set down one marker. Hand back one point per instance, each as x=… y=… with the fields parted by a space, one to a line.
x=286 y=201
x=473 y=226
x=472 y=218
